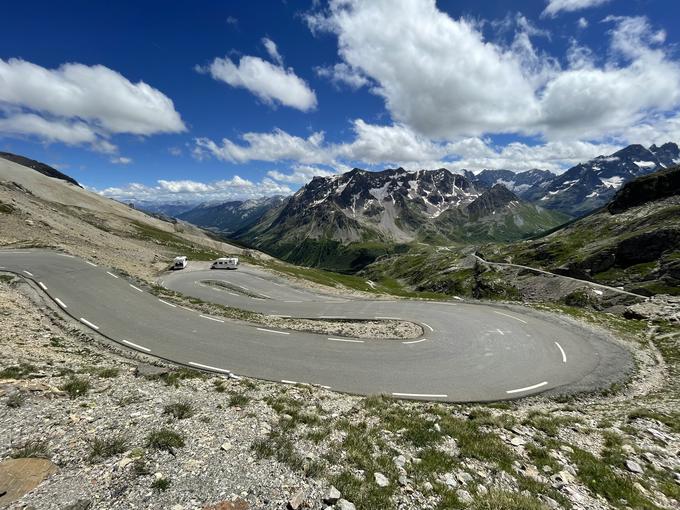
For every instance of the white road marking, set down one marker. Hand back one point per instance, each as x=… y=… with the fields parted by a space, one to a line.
x=292 y=301
x=88 y=323
x=211 y=318
x=136 y=346
x=166 y=303
x=346 y=340
x=273 y=331
x=60 y=303
x=286 y=381
x=208 y=367
x=244 y=288
x=458 y=298
x=281 y=316
x=500 y=332
x=449 y=304
x=389 y=318
x=232 y=294
x=257 y=298
x=186 y=308
x=111 y=274
x=420 y=395
x=28 y=273
x=324 y=386
x=136 y=288
x=91 y=263
x=428 y=326
x=42 y=286
x=511 y=316
x=564 y=354
x=331 y=317
x=415 y=341
x=520 y=390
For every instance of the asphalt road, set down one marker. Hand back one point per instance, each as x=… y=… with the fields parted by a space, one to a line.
x=469 y=352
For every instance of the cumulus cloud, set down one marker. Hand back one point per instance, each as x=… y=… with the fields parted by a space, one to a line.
x=554 y=7
x=121 y=160
x=271 y=83
x=235 y=188
x=300 y=174
x=341 y=73
x=440 y=77
x=273 y=51
x=80 y=104
x=582 y=23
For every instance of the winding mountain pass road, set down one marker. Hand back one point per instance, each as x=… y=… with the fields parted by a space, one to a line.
x=469 y=351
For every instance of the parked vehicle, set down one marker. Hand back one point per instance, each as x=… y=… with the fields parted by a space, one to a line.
x=180 y=263
x=225 y=263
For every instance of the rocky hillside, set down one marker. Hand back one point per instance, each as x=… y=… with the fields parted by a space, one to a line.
x=38 y=167
x=517 y=182
x=589 y=186
x=229 y=217
x=346 y=221
x=634 y=242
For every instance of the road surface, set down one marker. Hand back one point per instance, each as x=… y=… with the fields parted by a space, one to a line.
x=469 y=351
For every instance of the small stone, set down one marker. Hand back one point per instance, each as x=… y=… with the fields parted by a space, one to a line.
x=296 y=501
x=562 y=478
x=482 y=490
x=399 y=461
x=343 y=504
x=628 y=449
x=464 y=496
x=331 y=496
x=633 y=466
x=437 y=427
x=146 y=370
x=566 y=449
x=226 y=446
x=518 y=441
x=465 y=478
x=403 y=480
x=124 y=462
x=427 y=487
x=450 y=480
x=381 y=480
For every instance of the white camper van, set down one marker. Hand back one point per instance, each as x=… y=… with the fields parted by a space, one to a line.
x=180 y=263
x=225 y=263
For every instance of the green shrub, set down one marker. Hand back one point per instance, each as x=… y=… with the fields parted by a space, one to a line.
x=164 y=439
x=107 y=447
x=76 y=387
x=34 y=449
x=179 y=410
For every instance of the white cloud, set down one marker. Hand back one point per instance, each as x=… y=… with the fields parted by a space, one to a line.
x=78 y=104
x=273 y=51
x=121 y=161
x=175 y=151
x=235 y=188
x=554 y=7
x=582 y=23
x=341 y=73
x=441 y=78
x=273 y=84
x=300 y=174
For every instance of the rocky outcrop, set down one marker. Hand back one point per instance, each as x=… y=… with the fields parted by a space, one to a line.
x=38 y=167
x=646 y=189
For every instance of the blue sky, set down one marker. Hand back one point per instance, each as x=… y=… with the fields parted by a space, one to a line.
x=216 y=100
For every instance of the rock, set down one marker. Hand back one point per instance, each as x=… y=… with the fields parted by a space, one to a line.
x=399 y=461
x=427 y=487
x=331 y=496
x=633 y=466
x=566 y=449
x=437 y=427
x=343 y=504
x=518 y=441
x=464 y=477
x=404 y=480
x=19 y=476
x=296 y=501
x=464 y=496
x=562 y=478
x=236 y=504
x=450 y=480
x=381 y=480
x=146 y=370
x=81 y=504
x=628 y=449
x=482 y=490
x=125 y=462
x=226 y=446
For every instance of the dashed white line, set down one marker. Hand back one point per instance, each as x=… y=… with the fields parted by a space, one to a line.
x=28 y=273
x=324 y=386
x=166 y=303
x=257 y=298
x=280 y=316
x=111 y=274
x=415 y=341
x=564 y=354
x=88 y=323
x=61 y=303
x=292 y=301
x=528 y=388
x=186 y=308
x=332 y=317
x=511 y=316
x=273 y=331
x=136 y=288
x=91 y=263
x=428 y=326
x=420 y=395
x=232 y=294
x=208 y=367
x=136 y=346
x=42 y=286
x=389 y=318
x=346 y=340
x=500 y=332
x=286 y=381
x=211 y=318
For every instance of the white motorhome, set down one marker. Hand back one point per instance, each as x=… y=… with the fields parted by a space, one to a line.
x=180 y=263
x=225 y=263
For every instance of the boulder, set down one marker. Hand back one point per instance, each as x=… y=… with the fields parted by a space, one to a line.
x=331 y=496
x=20 y=476
x=343 y=504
